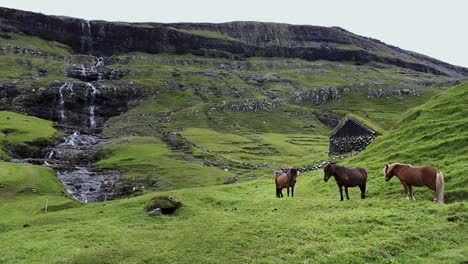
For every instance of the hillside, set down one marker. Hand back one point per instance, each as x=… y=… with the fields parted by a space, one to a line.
x=246 y=223
x=98 y=117
x=176 y=101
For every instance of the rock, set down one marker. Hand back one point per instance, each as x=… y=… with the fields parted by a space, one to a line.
x=319 y=95
x=231 y=180
x=155 y=211
x=165 y=204
x=248 y=105
x=42 y=70
x=90 y=73
x=77 y=104
x=378 y=93
x=26 y=225
x=329 y=119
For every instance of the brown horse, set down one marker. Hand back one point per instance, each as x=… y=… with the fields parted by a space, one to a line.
x=423 y=176
x=285 y=180
x=347 y=177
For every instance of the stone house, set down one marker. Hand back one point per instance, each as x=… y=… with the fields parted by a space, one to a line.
x=350 y=136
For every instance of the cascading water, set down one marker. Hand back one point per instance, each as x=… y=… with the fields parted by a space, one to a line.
x=62 y=102
x=86 y=37
x=70 y=160
x=92 y=106
x=99 y=62
x=69 y=87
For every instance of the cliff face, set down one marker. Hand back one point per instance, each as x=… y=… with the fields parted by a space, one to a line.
x=228 y=40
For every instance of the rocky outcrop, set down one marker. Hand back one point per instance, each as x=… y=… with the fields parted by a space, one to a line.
x=378 y=93
x=76 y=104
x=235 y=40
x=319 y=95
x=88 y=73
x=329 y=119
x=248 y=105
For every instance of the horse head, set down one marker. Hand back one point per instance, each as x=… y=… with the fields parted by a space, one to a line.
x=388 y=171
x=293 y=172
x=328 y=171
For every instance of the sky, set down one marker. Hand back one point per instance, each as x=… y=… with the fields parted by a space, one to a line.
x=432 y=27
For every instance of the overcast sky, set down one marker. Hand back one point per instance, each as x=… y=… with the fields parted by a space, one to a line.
x=430 y=27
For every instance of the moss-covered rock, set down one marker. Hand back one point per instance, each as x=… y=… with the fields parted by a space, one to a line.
x=166 y=204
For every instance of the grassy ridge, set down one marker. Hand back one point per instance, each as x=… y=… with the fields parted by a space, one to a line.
x=435 y=133
x=20 y=129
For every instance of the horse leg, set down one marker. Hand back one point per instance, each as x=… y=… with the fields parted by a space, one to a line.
x=341 y=192
x=292 y=191
x=288 y=191
x=281 y=192
x=363 y=191
x=277 y=192
x=405 y=186
x=346 y=191
x=410 y=189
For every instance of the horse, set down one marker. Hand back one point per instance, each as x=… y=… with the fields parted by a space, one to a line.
x=412 y=176
x=285 y=180
x=347 y=177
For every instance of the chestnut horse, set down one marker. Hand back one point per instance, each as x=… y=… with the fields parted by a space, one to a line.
x=347 y=177
x=423 y=176
x=285 y=180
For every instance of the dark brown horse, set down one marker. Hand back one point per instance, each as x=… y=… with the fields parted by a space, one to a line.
x=423 y=176
x=346 y=177
x=285 y=180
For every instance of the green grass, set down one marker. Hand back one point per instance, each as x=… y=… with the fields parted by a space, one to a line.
x=281 y=150
x=434 y=133
x=20 y=129
x=245 y=223
x=152 y=163
x=206 y=33
x=17 y=197
x=37 y=44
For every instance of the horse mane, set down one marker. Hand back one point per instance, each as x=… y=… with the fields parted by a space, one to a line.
x=392 y=165
x=293 y=172
x=329 y=163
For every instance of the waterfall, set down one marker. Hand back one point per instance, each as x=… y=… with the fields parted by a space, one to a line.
x=99 y=62
x=62 y=102
x=70 y=140
x=86 y=37
x=50 y=154
x=69 y=87
x=92 y=106
x=92 y=121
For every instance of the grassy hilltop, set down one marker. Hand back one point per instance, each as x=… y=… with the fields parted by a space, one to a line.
x=246 y=223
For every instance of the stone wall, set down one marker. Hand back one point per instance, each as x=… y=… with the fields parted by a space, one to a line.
x=349 y=144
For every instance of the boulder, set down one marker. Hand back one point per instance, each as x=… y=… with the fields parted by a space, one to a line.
x=165 y=204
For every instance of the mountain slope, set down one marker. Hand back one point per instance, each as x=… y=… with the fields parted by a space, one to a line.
x=228 y=40
x=246 y=223
x=435 y=133
x=205 y=100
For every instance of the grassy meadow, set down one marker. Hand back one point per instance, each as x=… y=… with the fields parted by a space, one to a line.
x=180 y=144
x=244 y=222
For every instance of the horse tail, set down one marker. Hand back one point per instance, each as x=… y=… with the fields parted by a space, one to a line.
x=440 y=187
